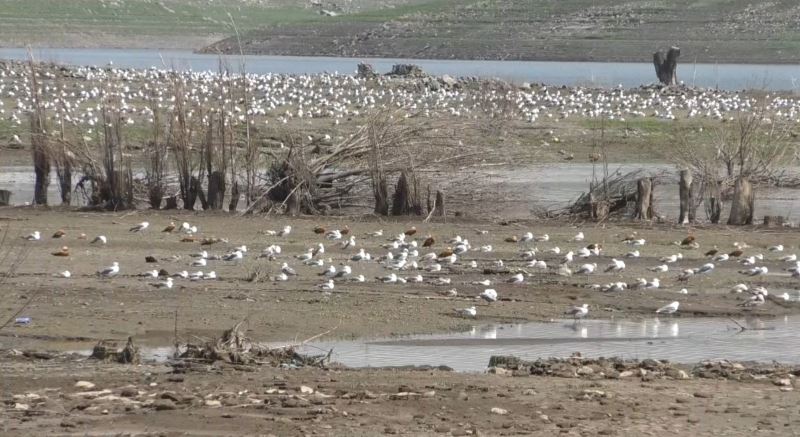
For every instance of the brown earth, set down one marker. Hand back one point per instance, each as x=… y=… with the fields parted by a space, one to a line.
x=73 y=314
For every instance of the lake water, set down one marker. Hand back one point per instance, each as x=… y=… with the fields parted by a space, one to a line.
x=607 y=74
x=676 y=339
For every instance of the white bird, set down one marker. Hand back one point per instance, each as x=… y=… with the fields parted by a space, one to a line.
x=567 y=258
x=288 y=270
x=241 y=248
x=349 y=243
x=99 y=239
x=683 y=291
x=163 y=284
x=360 y=256
x=578 y=312
x=328 y=285
x=388 y=279
x=416 y=279
x=210 y=275
x=236 y=255
x=578 y=237
x=282 y=277
x=345 y=271
x=753 y=301
x=760 y=290
x=542 y=238
x=334 y=235
x=615 y=266
x=670 y=308
x=705 y=268
x=721 y=257
x=516 y=279
x=285 y=231
x=467 y=312
x=140 y=227
x=489 y=295
x=537 y=264
x=149 y=274
x=65 y=274
x=314 y=262
x=182 y=274
x=672 y=258
x=306 y=256
x=755 y=271
x=748 y=261
x=659 y=269
x=378 y=233
x=200 y=262
x=655 y=283
x=739 y=288
x=203 y=254
x=777 y=248
x=35 y=236
x=789 y=258
x=359 y=278
x=527 y=237
x=329 y=272
x=196 y=276
x=636 y=242
x=109 y=272
x=484 y=282
x=586 y=269
x=633 y=254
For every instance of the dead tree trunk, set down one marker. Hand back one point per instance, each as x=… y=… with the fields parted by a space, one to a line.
x=686 y=214
x=667 y=65
x=41 y=167
x=406 y=200
x=5 y=197
x=644 y=198
x=216 y=189
x=743 y=203
x=234 y=196
x=438 y=209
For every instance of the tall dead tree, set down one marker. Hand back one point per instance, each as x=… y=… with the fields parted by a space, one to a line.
x=39 y=143
x=666 y=64
x=687 y=204
x=406 y=199
x=743 y=204
x=644 y=199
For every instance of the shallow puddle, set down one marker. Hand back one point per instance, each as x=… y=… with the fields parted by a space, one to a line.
x=679 y=340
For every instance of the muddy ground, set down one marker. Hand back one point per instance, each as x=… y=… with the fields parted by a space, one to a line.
x=73 y=314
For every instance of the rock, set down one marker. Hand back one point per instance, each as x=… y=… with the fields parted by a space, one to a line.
x=529 y=392
x=676 y=373
x=625 y=374
x=306 y=389
x=703 y=395
x=21 y=407
x=212 y=403
x=786 y=388
x=458 y=432
x=429 y=394
x=164 y=404
x=441 y=428
x=585 y=370
x=129 y=392
x=85 y=385
x=171 y=396
x=784 y=382
x=448 y=80
x=499 y=411
x=650 y=364
x=499 y=371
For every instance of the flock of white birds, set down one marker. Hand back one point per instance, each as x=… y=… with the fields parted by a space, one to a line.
x=406 y=259
x=76 y=96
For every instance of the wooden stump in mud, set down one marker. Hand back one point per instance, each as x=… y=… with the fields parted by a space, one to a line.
x=686 y=214
x=41 y=168
x=598 y=209
x=743 y=204
x=381 y=191
x=5 y=197
x=666 y=65
x=234 y=197
x=438 y=209
x=406 y=199
x=172 y=202
x=774 y=221
x=644 y=199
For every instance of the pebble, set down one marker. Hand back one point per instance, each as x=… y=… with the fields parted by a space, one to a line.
x=499 y=411
x=164 y=404
x=213 y=403
x=784 y=382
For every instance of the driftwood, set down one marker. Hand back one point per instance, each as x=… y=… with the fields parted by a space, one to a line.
x=644 y=198
x=743 y=203
x=108 y=351
x=666 y=65
x=605 y=197
x=687 y=204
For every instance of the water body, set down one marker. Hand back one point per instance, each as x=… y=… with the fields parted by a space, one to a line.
x=605 y=74
x=675 y=339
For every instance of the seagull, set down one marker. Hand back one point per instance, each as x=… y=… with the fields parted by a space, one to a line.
x=777 y=248
x=64 y=274
x=484 y=282
x=285 y=231
x=196 y=276
x=578 y=237
x=236 y=255
x=721 y=257
x=349 y=243
x=281 y=277
x=615 y=266
x=170 y=227
x=633 y=254
x=99 y=239
x=329 y=272
x=35 y=236
x=755 y=271
x=489 y=295
x=516 y=279
x=345 y=271
x=578 y=312
x=754 y=301
x=388 y=279
x=163 y=284
x=360 y=256
x=467 y=312
x=203 y=254
x=538 y=264
x=378 y=233
x=672 y=258
x=328 y=285
x=109 y=272
x=182 y=274
x=586 y=269
x=210 y=275
x=288 y=270
x=739 y=288
x=306 y=256
x=659 y=269
x=789 y=258
x=567 y=258
x=140 y=227
x=149 y=274
x=314 y=262
x=200 y=262
x=671 y=308
x=705 y=268
x=655 y=283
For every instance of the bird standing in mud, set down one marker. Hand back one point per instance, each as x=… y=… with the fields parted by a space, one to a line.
x=110 y=271
x=470 y=312
x=578 y=312
x=489 y=295
x=140 y=227
x=670 y=308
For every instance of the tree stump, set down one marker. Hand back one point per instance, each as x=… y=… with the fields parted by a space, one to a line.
x=366 y=71
x=216 y=189
x=235 y=195
x=644 y=198
x=438 y=208
x=666 y=65
x=172 y=202
x=686 y=214
x=743 y=204
x=5 y=198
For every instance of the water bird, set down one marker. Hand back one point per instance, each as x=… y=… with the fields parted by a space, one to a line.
x=167 y=283
x=755 y=271
x=670 y=308
x=776 y=248
x=169 y=228
x=64 y=274
x=489 y=295
x=327 y=285
x=200 y=262
x=578 y=312
x=615 y=266
x=35 y=236
x=285 y=231
x=110 y=271
x=586 y=269
x=59 y=233
x=288 y=270
x=470 y=312
x=64 y=251
x=140 y=227
x=516 y=279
